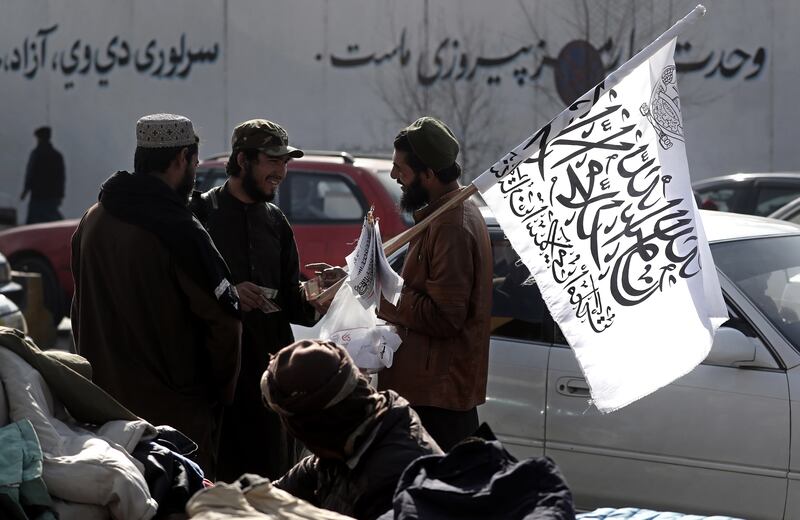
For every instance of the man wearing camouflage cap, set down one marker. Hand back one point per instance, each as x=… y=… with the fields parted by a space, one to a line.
x=258 y=244
x=444 y=309
x=154 y=309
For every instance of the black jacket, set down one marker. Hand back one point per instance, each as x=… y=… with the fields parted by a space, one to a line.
x=363 y=486
x=480 y=480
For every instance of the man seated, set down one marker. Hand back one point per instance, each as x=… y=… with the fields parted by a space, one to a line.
x=361 y=439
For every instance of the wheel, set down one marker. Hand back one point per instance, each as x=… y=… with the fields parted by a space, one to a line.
x=53 y=295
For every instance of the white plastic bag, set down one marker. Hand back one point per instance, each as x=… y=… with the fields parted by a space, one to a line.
x=351 y=320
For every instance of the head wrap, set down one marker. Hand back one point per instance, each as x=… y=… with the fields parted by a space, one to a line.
x=322 y=398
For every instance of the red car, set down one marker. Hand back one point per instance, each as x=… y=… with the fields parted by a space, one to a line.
x=325 y=197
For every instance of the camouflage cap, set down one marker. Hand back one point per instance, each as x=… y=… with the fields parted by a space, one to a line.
x=433 y=142
x=260 y=134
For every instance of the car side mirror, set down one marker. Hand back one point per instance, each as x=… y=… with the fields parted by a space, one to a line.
x=731 y=348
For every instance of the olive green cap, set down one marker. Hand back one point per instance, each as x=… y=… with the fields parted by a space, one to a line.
x=433 y=142
x=260 y=134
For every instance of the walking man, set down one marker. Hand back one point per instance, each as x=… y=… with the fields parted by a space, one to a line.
x=445 y=305
x=44 y=180
x=258 y=244
x=154 y=310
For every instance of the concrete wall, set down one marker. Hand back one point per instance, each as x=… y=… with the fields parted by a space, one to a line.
x=326 y=70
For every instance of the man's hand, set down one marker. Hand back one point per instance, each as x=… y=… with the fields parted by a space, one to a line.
x=328 y=274
x=250 y=296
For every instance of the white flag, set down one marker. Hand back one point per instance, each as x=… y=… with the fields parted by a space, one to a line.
x=369 y=272
x=351 y=320
x=599 y=206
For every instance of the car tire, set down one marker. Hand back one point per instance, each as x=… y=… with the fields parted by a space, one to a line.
x=53 y=295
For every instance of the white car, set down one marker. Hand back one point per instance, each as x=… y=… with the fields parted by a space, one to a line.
x=719 y=440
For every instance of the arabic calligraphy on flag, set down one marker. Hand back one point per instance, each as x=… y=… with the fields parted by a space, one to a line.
x=599 y=206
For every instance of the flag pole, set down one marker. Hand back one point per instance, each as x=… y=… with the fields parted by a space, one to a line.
x=609 y=82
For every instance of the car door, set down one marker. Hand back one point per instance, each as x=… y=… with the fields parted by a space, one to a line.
x=715 y=441
x=522 y=333
x=326 y=211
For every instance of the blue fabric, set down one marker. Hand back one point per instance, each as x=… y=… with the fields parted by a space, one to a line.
x=171 y=477
x=23 y=494
x=633 y=513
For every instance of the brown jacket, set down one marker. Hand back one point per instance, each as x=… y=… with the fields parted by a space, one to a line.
x=159 y=343
x=444 y=311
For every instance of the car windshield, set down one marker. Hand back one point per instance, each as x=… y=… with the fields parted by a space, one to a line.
x=767 y=270
x=393 y=189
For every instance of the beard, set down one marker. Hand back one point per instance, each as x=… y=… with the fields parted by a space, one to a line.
x=414 y=197
x=186 y=186
x=251 y=187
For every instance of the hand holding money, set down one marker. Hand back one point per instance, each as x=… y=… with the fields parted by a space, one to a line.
x=253 y=296
x=327 y=274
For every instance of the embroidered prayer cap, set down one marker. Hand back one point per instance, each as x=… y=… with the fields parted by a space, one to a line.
x=164 y=131
x=269 y=137
x=433 y=142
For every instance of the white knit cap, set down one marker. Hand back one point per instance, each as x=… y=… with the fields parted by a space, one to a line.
x=164 y=131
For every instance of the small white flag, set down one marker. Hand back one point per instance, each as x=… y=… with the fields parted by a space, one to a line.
x=351 y=320
x=599 y=206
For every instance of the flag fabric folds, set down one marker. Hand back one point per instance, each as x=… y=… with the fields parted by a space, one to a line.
x=599 y=206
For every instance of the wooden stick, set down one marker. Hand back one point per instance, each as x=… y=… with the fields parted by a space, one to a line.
x=405 y=237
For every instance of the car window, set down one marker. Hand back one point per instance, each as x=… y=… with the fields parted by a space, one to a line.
x=518 y=311
x=720 y=198
x=794 y=217
x=320 y=198
x=773 y=198
x=767 y=271
x=395 y=192
x=208 y=178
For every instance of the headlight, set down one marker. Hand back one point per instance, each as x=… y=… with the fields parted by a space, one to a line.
x=15 y=320
x=10 y=315
x=5 y=271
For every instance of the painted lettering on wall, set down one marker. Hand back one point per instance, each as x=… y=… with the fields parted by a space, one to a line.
x=577 y=67
x=82 y=58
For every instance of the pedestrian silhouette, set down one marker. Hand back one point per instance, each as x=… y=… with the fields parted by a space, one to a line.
x=44 y=180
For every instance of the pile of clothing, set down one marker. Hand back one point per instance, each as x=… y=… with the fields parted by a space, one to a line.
x=68 y=450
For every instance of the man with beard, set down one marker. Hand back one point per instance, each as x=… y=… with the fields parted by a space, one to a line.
x=258 y=244
x=154 y=310
x=445 y=306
